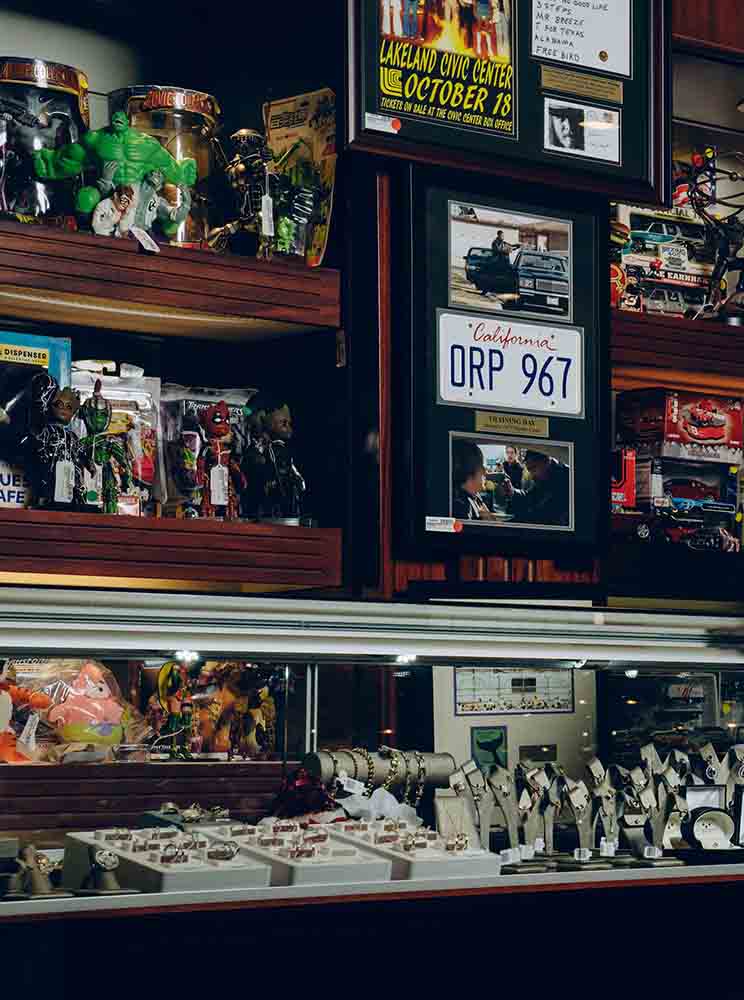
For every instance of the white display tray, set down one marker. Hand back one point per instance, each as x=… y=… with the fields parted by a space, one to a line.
x=429 y=862
x=137 y=871
x=367 y=867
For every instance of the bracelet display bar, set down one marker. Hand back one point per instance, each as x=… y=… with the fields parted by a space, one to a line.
x=332 y=862
x=139 y=870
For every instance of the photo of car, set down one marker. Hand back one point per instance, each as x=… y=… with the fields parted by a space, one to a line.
x=542 y=281
x=490 y=272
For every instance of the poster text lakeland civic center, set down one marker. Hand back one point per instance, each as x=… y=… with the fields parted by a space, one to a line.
x=446 y=87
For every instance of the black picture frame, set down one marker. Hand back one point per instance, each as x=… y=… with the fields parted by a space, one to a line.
x=644 y=171
x=426 y=426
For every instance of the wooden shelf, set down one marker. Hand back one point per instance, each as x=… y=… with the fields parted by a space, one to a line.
x=710 y=27
x=697 y=355
x=79 y=279
x=43 y=802
x=234 y=555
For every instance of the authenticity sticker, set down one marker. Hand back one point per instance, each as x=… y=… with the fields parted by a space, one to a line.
x=382 y=123
x=447 y=525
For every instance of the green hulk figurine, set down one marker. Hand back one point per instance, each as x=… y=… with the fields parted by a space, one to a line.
x=120 y=154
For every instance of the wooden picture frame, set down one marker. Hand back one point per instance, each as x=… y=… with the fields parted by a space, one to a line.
x=384 y=70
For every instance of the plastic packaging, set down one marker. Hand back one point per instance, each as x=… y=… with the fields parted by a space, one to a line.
x=184 y=439
x=135 y=422
x=85 y=704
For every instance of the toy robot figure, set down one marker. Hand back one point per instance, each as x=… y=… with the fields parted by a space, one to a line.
x=121 y=156
x=253 y=174
x=55 y=457
x=217 y=471
x=276 y=488
x=105 y=451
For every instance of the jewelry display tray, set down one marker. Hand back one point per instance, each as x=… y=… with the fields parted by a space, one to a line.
x=468 y=864
x=368 y=867
x=136 y=871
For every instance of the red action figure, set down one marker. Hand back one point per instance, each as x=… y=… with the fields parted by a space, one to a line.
x=217 y=471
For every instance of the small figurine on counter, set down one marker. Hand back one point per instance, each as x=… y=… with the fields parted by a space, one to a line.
x=106 y=452
x=275 y=487
x=218 y=472
x=55 y=457
x=121 y=155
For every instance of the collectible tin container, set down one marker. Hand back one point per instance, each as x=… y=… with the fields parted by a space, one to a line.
x=182 y=120
x=43 y=105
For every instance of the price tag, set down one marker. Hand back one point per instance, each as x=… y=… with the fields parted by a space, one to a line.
x=93 y=486
x=219 y=486
x=28 y=736
x=350 y=785
x=498 y=364
x=267 y=215
x=144 y=239
x=64 y=482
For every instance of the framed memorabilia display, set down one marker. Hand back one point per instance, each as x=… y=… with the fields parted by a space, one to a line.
x=500 y=691
x=503 y=352
x=558 y=91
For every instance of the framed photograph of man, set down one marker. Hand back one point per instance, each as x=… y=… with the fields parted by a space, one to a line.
x=505 y=391
x=511 y=482
x=478 y=84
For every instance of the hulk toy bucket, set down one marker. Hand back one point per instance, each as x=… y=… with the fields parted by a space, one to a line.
x=182 y=121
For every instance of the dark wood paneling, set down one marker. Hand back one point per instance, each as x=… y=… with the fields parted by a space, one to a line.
x=116 y=270
x=44 y=802
x=668 y=342
x=170 y=549
x=709 y=24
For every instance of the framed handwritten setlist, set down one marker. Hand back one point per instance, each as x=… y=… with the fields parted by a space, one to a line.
x=566 y=92
x=503 y=346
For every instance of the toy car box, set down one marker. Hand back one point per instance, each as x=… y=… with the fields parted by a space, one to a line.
x=623 y=479
x=663 y=423
x=22 y=355
x=687 y=487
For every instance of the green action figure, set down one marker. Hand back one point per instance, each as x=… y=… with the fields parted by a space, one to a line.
x=105 y=451
x=120 y=154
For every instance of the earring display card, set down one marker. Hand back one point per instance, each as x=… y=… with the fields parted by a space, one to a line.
x=331 y=860
x=139 y=871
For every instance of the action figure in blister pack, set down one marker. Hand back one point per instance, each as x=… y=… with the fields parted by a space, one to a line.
x=218 y=473
x=55 y=456
x=104 y=451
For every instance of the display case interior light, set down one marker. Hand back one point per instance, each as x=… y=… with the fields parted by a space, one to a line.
x=406 y=658
x=631 y=674
x=186 y=655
